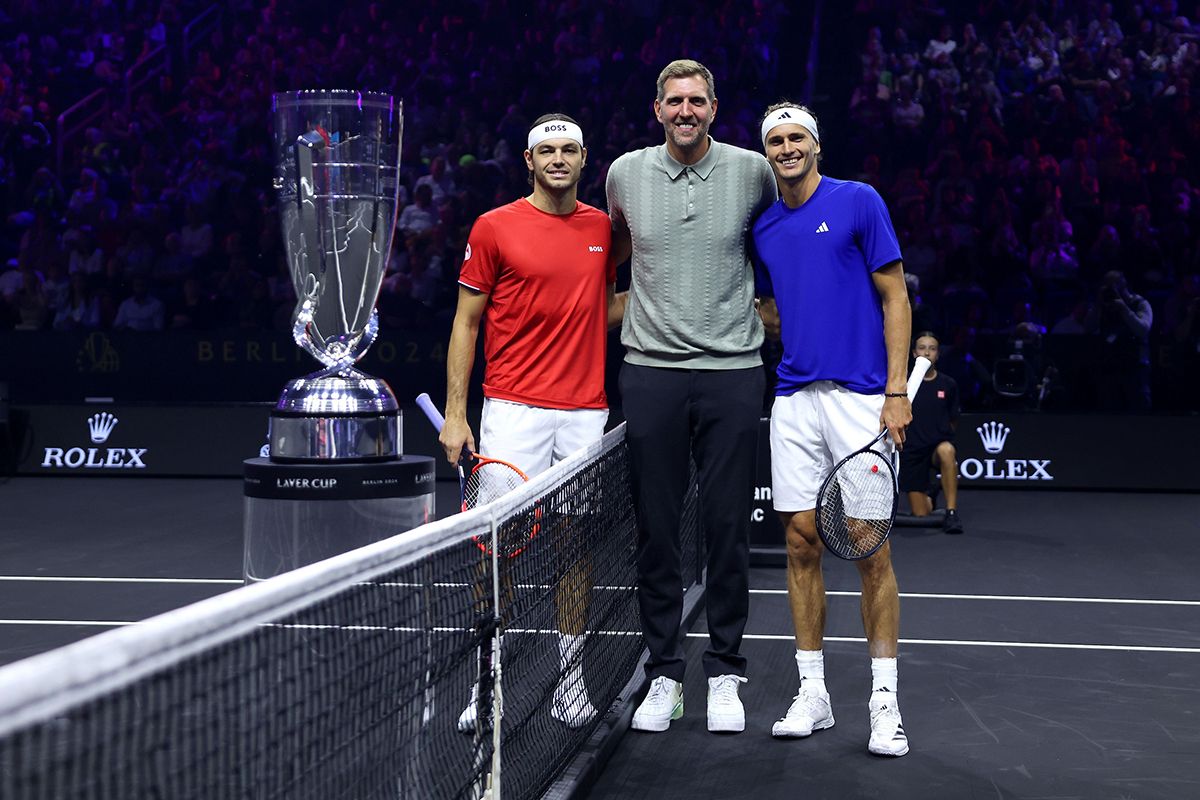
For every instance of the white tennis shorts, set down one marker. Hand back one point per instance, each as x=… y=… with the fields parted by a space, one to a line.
x=532 y=438
x=811 y=431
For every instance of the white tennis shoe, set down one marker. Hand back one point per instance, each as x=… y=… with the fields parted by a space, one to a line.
x=663 y=704
x=466 y=720
x=725 y=711
x=887 y=729
x=810 y=711
x=571 y=705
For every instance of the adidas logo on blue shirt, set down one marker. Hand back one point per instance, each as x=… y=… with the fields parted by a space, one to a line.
x=823 y=228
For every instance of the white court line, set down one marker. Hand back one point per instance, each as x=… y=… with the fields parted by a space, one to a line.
x=231 y=582
x=917 y=595
x=774 y=637
x=62 y=579
x=1025 y=598
x=96 y=622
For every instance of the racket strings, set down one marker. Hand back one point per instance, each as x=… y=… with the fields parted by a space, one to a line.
x=488 y=481
x=857 y=505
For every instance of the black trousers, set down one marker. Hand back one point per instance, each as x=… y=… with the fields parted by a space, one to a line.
x=713 y=415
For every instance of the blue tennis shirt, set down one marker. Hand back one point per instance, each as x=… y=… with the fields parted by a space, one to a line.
x=816 y=261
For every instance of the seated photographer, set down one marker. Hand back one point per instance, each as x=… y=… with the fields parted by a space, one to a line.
x=930 y=439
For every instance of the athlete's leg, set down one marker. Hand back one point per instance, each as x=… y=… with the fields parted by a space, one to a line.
x=881 y=620
x=805 y=582
x=880 y=602
x=799 y=461
x=574 y=430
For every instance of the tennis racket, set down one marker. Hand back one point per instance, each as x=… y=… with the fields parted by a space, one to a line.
x=856 y=505
x=486 y=480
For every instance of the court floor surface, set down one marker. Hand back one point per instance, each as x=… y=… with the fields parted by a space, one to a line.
x=1051 y=652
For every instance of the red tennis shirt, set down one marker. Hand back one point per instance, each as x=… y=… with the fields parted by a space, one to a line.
x=545 y=327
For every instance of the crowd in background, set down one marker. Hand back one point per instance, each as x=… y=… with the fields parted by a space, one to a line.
x=162 y=215
x=1026 y=150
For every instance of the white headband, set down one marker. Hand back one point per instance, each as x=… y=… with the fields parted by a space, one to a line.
x=790 y=115
x=554 y=129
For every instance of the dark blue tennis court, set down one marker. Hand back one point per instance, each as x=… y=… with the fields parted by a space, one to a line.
x=1050 y=652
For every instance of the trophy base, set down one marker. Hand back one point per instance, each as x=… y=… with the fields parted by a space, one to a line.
x=298 y=514
x=336 y=417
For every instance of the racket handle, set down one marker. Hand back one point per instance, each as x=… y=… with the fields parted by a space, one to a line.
x=425 y=403
x=920 y=367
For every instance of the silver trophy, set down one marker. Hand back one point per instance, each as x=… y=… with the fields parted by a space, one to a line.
x=337 y=164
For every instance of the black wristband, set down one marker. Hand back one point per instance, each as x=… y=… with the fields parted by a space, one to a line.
x=895 y=394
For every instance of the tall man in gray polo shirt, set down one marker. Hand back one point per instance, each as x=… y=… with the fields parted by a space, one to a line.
x=692 y=381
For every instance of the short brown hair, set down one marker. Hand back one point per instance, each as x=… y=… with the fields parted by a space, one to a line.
x=771 y=109
x=685 y=68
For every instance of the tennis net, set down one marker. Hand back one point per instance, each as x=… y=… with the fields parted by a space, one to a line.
x=348 y=678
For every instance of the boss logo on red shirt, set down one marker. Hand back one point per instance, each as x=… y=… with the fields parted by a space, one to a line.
x=595 y=248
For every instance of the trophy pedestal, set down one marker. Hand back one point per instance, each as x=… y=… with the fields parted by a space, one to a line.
x=343 y=417
x=298 y=514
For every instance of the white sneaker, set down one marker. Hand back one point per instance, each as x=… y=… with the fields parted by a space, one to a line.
x=571 y=705
x=725 y=711
x=887 y=730
x=663 y=703
x=466 y=720
x=810 y=711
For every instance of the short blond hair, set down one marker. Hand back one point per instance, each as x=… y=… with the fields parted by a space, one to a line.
x=685 y=68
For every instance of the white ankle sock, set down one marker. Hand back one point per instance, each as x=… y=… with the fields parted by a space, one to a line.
x=569 y=647
x=811 y=665
x=883 y=675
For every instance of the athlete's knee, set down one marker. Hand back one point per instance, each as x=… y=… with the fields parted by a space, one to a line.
x=878 y=565
x=946 y=454
x=803 y=544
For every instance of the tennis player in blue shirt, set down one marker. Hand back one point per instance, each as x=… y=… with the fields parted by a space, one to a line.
x=829 y=273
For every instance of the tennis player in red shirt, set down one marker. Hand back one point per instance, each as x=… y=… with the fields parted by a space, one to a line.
x=539 y=273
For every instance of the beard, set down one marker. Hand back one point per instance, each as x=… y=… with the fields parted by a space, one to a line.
x=685 y=141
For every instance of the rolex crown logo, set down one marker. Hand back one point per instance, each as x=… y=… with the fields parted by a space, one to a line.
x=993 y=435
x=100 y=425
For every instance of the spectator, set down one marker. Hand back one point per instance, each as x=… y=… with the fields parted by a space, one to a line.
x=30 y=302
x=81 y=311
x=140 y=311
x=194 y=310
x=89 y=204
x=439 y=180
x=11 y=280
x=419 y=217
x=196 y=236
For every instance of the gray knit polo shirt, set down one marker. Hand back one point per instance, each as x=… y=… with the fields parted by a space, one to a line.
x=691 y=302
